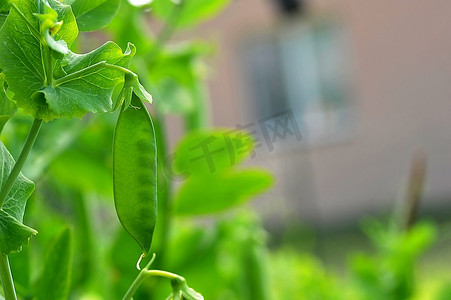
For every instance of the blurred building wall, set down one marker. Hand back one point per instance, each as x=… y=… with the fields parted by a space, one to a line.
x=399 y=62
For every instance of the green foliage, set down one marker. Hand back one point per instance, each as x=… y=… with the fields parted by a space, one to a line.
x=134 y=169
x=208 y=159
x=13 y=233
x=187 y=12
x=301 y=276
x=205 y=152
x=24 y=70
x=54 y=281
x=2 y=18
x=223 y=190
x=4 y=5
x=94 y=14
x=177 y=73
x=7 y=107
x=85 y=88
x=444 y=292
x=180 y=291
x=73 y=84
x=390 y=273
x=132 y=85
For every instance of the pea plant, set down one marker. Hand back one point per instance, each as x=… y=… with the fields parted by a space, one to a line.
x=45 y=79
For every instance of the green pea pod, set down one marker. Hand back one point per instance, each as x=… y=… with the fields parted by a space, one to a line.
x=134 y=173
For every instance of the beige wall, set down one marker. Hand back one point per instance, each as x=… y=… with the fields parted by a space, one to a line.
x=401 y=74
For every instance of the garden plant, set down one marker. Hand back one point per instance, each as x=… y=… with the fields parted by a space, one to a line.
x=43 y=78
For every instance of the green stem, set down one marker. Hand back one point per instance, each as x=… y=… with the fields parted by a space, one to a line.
x=80 y=73
x=135 y=285
x=7 y=278
x=5 y=271
x=143 y=275
x=139 y=279
x=90 y=70
x=49 y=69
x=165 y=274
x=21 y=160
x=121 y=69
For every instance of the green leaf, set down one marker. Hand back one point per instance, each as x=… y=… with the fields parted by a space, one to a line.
x=134 y=173
x=22 y=59
x=207 y=152
x=82 y=172
x=54 y=282
x=188 y=12
x=220 y=191
x=3 y=17
x=81 y=83
x=69 y=29
x=81 y=90
x=55 y=34
x=13 y=234
x=4 y=11
x=208 y=159
x=7 y=107
x=4 y=5
x=94 y=14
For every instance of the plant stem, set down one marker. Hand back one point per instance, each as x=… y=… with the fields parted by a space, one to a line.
x=5 y=271
x=21 y=160
x=139 y=279
x=121 y=69
x=7 y=278
x=49 y=69
x=90 y=70
x=143 y=275
x=135 y=285
x=165 y=274
x=80 y=73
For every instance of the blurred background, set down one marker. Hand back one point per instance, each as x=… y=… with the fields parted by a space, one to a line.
x=367 y=84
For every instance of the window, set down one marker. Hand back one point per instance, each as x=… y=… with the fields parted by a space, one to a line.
x=304 y=68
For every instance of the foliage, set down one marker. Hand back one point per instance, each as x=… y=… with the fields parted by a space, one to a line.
x=387 y=273
x=13 y=234
x=390 y=273
x=44 y=77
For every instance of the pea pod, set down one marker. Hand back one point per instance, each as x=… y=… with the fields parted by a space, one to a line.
x=134 y=173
